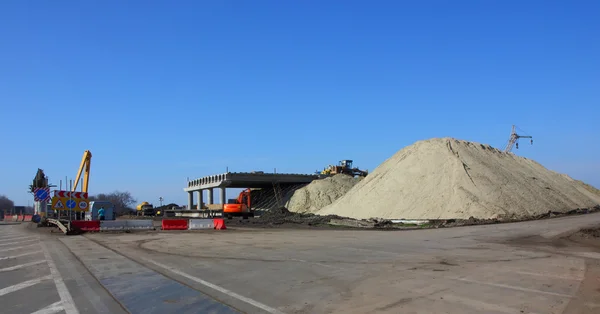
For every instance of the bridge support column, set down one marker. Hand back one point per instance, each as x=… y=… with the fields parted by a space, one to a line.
x=222 y=195
x=190 y=199
x=210 y=196
x=200 y=199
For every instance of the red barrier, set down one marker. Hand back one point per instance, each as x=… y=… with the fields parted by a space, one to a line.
x=93 y=225
x=219 y=224
x=174 y=224
x=19 y=217
x=27 y=217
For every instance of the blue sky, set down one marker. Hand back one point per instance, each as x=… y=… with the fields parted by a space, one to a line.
x=160 y=91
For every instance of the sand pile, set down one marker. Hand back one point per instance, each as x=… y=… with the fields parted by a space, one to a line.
x=320 y=193
x=445 y=178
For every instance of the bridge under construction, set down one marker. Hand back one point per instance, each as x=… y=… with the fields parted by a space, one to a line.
x=241 y=180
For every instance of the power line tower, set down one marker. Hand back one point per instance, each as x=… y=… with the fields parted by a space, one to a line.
x=514 y=140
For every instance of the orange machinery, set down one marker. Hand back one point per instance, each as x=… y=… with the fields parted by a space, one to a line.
x=241 y=207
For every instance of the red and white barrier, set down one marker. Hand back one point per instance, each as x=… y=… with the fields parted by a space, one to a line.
x=86 y=225
x=174 y=224
x=199 y=224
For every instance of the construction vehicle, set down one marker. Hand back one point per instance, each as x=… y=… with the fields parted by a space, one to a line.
x=86 y=163
x=514 y=140
x=344 y=167
x=145 y=209
x=240 y=207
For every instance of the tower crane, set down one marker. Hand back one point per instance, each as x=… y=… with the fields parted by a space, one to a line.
x=514 y=140
x=85 y=168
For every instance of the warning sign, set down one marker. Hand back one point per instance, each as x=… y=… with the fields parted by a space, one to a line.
x=57 y=203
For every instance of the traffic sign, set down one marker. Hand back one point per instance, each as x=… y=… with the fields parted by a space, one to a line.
x=71 y=204
x=57 y=204
x=65 y=203
x=41 y=194
x=83 y=205
x=70 y=200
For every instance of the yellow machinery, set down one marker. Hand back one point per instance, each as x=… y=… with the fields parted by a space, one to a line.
x=85 y=168
x=344 y=167
x=145 y=209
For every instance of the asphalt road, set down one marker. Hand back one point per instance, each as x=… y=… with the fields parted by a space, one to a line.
x=39 y=275
x=528 y=267
x=504 y=268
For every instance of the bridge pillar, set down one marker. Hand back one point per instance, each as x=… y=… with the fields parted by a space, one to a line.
x=200 y=199
x=222 y=195
x=210 y=196
x=190 y=199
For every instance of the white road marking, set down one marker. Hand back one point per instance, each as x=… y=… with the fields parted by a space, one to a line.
x=499 y=285
x=316 y=263
x=18 y=247
x=20 y=255
x=480 y=305
x=218 y=288
x=565 y=277
x=16 y=238
x=51 y=309
x=23 y=285
x=18 y=242
x=63 y=292
x=21 y=266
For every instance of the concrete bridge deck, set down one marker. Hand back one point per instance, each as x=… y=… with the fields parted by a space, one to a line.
x=241 y=180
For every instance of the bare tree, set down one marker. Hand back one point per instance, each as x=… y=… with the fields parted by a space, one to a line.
x=6 y=203
x=123 y=201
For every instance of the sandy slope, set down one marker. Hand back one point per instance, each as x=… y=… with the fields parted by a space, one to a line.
x=320 y=193
x=449 y=178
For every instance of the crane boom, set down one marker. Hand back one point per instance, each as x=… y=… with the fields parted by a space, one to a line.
x=514 y=138
x=85 y=168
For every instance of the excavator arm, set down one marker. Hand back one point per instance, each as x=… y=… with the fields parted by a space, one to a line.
x=85 y=168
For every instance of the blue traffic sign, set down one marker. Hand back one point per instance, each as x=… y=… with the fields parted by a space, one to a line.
x=71 y=204
x=41 y=194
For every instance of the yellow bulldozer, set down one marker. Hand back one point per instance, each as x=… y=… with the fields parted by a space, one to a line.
x=344 y=167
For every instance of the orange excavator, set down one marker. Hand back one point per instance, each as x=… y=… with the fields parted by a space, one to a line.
x=241 y=207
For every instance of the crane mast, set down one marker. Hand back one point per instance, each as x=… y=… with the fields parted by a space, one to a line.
x=85 y=168
x=514 y=140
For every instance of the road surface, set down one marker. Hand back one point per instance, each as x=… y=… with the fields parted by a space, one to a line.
x=504 y=268
x=527 y=267
x=38 y=275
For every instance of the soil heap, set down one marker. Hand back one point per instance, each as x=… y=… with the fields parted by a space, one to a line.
x=446 y=178
x=320 y=193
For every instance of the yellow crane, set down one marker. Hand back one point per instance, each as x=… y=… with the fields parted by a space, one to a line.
x=85 y=168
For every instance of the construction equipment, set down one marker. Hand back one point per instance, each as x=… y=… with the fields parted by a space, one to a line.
x=344 y=167
x=514 y=140
x=145 y=209
x=241 y=207
x=85 y=168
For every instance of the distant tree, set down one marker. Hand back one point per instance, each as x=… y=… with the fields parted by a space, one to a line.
x=123 y=201
x=6 y=203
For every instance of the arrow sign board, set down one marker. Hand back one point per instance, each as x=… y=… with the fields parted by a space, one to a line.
x=68 y=194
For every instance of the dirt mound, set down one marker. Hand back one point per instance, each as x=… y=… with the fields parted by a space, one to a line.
x=445 y=178
x=320 y=193
x=590 y=232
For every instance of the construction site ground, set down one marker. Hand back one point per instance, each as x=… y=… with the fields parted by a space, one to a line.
x=542 y=266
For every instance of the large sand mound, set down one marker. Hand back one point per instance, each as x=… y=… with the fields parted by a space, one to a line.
x=445 y=178
x=320 y=193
